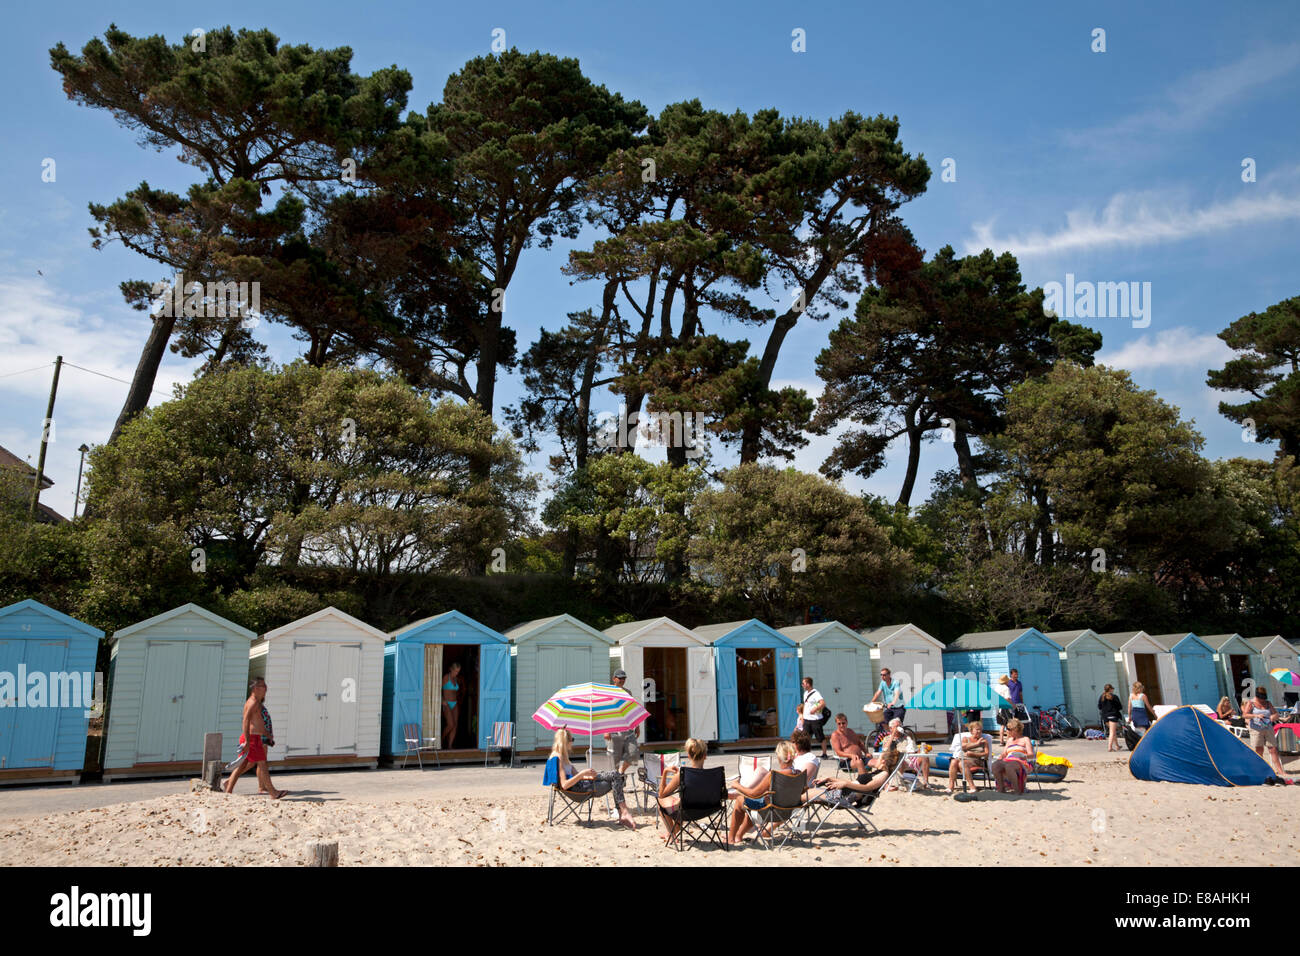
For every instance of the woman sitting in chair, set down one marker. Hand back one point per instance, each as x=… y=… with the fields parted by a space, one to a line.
x=969 y=752
x=1225 y=711
x=755 y=797
x=560 y=772
x=1011 y=770
x=878 y=771
x=671 y=781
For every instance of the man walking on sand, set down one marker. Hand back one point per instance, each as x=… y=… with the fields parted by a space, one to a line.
x=253 y=742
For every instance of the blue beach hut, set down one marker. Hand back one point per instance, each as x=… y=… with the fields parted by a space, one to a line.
x=990 y=654
x=1198 y=680
x=757 y=669
x=415 y=659
x=47 y=675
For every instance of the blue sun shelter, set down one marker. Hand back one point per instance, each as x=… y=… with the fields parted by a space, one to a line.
x=47 y=687
x=1240 y=666
x=1090 y=663
x=417 y=657
x=550 y=653
x=986 y=655
x=172 y=679
x=838 y=659
x=1198 y=679
x=1188 y=746
x=757 y=668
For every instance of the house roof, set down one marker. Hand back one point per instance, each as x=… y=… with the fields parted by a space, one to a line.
x=31 y=605
x=1120 y=638
x=322 y=613
x=1217 y=641
x=183 y=609
x=629 y=629
x=988 y=640
x=804 y=632
x=520 y=631
x=433 y=619
x=711 y=632
x=1262 y=642
x=1066 y=638
x=9 y=459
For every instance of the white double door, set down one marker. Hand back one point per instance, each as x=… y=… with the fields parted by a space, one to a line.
x=323 y=711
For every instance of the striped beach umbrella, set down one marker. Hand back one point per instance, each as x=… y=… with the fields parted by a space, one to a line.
x=592 y=708
x=1284 y=676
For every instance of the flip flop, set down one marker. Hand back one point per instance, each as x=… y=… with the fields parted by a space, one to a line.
x=280 y=795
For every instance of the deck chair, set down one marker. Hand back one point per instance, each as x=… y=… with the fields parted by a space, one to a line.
x=502 y=739
x=702 y=809
x=571 y=802
x=415 y=743
x=650 y=773
x=985 y=771
x=783 y=813
x=821 y=808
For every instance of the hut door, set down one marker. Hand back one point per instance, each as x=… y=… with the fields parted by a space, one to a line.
x=703 y=692
x=11 y=655
x=787 y=688
x=200 y=708
x=724 y=663
x=1239 y=668
x=1148 y=675
x=1034 y=672
x=161 y=702
x=432 y=720
x=494 y=688
x=339 y=705
x=302 y=735
x=837 y=678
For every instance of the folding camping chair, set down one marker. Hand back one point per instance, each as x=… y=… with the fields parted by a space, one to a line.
x=502 y=739
x=986 y=770
x=783 y=812
x=702 y=808
x=415 y=743
x=571 y=801
x=822 y=807
x=651 y=771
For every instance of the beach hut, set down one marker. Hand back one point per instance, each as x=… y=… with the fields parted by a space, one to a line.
x=1146 y=661
x=1239 y=664
x=47 y=686
x=1198 y=679
x=838 y=659
x=415 y=660
x=987 y=655
x=1090 y=663
x=172 y=679
x=915 y=659
x=1276 y=653
x=551 y=653
x=670 y=670
x=324 y=689
x=757 y=671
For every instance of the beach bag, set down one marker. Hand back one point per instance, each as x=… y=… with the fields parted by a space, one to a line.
x=1092 y=734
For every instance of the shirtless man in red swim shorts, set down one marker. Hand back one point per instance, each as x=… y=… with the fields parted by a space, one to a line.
x=251 y=743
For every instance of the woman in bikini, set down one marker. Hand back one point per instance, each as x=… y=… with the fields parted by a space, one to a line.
x=1011 y=770
x=450 y=716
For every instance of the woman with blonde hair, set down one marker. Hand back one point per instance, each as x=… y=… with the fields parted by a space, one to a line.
x=560 y=772
x=1011 y=770
x=1225 y=711
x=1140 y=711
x=671 y=781
x=755 y=797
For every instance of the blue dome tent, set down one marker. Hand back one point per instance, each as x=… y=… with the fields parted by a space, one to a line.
x=1187 y=746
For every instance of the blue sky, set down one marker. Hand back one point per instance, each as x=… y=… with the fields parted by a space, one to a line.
x=1115 y=166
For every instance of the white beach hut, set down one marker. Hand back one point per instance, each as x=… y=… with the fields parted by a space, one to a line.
x=1149 y=662
x=670 y=670
x=916 y=659
x=324 y=689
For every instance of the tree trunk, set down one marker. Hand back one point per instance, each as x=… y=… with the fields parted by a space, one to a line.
x=146 y=373
x=965 y=463
x=914 y=435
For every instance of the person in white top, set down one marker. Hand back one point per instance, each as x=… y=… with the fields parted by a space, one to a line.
x=810 y=713
x=804 y=759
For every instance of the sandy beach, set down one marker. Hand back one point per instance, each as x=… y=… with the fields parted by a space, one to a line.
x=1100 y=816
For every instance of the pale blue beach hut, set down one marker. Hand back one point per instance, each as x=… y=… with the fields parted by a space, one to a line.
x=989 y=654
x=1090 y=663
x=1198 y=679
x=47 y=684
x=415 y=659
x=757 y=669
x=550 y=653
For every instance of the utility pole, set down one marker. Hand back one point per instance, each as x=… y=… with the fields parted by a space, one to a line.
x=45 y=436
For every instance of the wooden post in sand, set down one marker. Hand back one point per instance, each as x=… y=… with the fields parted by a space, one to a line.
x=212 y=760
x=323 y=854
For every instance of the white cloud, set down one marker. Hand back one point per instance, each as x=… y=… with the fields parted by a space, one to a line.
x=1195 y=98
x=1139 y=219
x=1170 y=348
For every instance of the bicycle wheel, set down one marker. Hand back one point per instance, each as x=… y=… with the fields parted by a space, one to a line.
x=1071 y=728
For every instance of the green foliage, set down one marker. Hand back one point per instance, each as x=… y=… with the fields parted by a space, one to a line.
x=786 y=540
x=1269 y=370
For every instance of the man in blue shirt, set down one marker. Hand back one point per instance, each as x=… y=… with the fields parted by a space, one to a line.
x=889 y=693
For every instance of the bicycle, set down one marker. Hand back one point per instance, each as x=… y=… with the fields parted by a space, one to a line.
x=1055 y=722
x=882 y=731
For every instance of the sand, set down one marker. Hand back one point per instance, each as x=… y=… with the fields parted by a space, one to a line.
x=1100 y=816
